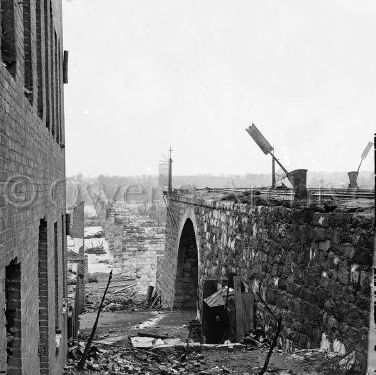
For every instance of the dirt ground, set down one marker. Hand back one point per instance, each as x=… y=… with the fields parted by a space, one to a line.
x=117 y=326
x=244 y=361
x=116 y=356
x=116 y=350
x=116 y=359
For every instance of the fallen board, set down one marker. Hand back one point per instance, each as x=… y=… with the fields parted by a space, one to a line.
x=244 y=303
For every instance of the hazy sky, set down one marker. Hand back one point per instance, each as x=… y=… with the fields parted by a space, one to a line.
x=144 y=75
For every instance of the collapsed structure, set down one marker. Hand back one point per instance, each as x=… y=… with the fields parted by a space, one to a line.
x=310 y=260
x=32 y=189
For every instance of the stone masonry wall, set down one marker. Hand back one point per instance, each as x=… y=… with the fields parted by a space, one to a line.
x=135 y=240
x=312 y=264
x=142 y=242
x=31 y=161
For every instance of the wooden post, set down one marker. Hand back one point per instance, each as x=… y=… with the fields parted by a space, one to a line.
x=87 y=348
x=280 y=164
x=76 y=310
x=238 y=308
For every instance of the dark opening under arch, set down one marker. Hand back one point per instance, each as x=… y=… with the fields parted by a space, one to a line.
x=186 y=284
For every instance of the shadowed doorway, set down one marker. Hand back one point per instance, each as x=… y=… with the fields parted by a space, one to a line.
x=186 y=284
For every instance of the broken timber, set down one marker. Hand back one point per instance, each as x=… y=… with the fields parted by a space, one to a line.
x=87 y=348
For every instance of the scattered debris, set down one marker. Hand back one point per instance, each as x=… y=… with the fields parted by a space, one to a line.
x=151 y=334
x=92 y=279
x=96 y=250
x=151 y=322
x=122 y=289
x=173 y=357
x=216 y=299
x=99 y=234
x=115 y=360
x=155 y=301
x=194 y=328
x=348 y=362
x=255 y=339
x=116 y=300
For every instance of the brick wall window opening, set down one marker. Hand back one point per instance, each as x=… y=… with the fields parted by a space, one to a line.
x=52 y=72
x=28 y=60
x=186 y=284
x=13 y=317
x=7 y=32
x=68 y=224
x=46 y=66
x=56 y=257
x=56 y=92
x=60 y=88
x=43 y=297
x=39 y=26
x=63 y=254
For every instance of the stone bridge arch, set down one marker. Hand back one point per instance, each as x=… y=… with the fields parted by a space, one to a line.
x=134 y=193
x=188 y=264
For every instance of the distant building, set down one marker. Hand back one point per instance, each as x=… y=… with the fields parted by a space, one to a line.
x=32 y=189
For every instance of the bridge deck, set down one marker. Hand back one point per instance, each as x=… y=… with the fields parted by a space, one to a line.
x=327 y=199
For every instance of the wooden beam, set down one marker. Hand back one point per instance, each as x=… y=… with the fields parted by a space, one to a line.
x=238 y=308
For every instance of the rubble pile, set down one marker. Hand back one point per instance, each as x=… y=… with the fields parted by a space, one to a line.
x=99 y=234
x=114 y=301
x=195 y=333
x=105 y=360
x=110 y=360
x=256 y=339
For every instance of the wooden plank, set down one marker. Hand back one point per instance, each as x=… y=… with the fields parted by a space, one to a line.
x=215 y=299
x=154 y=300
x=116 y=285
x=125 y=288
x=238 y=308
x=248 y=318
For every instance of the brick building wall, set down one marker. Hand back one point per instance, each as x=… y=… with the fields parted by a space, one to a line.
x=32 y=187
x=311 y=263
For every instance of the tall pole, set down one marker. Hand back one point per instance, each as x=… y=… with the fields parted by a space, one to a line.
x=89 y=341
x=170 y=171
x=273 y=172
x=357 y=171
x=279 y=163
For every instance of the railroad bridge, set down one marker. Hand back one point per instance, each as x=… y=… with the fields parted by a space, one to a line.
x=310 y=259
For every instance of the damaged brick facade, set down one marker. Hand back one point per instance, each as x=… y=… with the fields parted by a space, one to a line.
x=32 y=188
x=311 y=263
